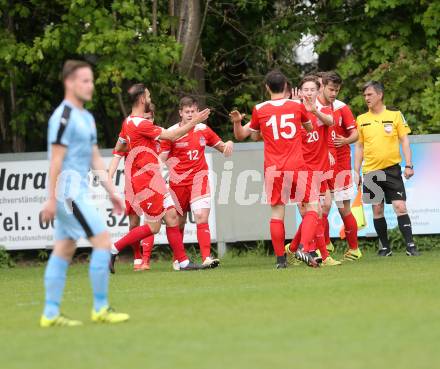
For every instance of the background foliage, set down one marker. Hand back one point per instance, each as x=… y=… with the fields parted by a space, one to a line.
x=217 y=50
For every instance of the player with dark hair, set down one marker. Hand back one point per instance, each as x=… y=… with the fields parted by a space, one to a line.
x=146 y=189
x=381 y=132
x=188 y=177
x=278 y=122
x=141 y=259
x=341 y=135
x=73 y=150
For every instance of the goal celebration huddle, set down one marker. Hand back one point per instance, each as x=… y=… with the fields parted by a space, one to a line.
x=306 y=133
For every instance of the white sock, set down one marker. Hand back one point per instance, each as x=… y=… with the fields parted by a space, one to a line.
x=114 y=250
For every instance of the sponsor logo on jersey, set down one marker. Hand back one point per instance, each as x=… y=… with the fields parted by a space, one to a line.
x=182 y=144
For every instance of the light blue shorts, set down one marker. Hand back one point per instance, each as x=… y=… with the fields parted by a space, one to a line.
x=77 y=219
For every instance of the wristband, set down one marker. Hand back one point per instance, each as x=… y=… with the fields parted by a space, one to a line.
x=409 y=166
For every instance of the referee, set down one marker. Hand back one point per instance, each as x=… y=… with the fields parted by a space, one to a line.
x=381 y=130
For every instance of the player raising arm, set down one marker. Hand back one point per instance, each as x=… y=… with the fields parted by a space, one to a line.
x=278 y=122
x=145 y=187
x=188 y=181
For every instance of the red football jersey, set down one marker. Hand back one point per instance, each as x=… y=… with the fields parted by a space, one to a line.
x=315 y=147
x=186 y=155
x=344 y=123
x=279 y=122
x=142 y=136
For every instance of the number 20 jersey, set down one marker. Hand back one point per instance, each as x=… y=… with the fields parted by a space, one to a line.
x=315 y=145
x=280 y=122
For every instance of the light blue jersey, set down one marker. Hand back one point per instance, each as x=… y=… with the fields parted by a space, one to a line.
x=75 y=129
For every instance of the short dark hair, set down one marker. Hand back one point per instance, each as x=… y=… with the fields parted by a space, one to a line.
x=333 y=77
x=135 y=92
x=319 y=74
x=377 y=86
x=276 y=81
x=71 y=66
x=187 y=101
x=310 y=78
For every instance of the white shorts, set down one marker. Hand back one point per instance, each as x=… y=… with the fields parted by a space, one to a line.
x=202 y=203
x=344 y=194
x=168 y=202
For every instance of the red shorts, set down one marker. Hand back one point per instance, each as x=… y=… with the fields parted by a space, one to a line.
x=145 y=194
x=184 y=196
x=296 y=186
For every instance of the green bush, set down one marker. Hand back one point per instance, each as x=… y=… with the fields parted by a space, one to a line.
x=5 y=259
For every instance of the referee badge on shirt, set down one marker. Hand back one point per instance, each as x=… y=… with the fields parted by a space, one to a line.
x=202 y=141
x=388 y=127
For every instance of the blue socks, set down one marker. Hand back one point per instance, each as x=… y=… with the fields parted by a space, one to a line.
x=54 y=282
x=99 y=276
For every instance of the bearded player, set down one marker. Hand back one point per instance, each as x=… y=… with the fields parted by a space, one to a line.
x=141 y=260
x=341 y=135
x=146 y=189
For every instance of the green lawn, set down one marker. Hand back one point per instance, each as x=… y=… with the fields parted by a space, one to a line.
x=375 y=313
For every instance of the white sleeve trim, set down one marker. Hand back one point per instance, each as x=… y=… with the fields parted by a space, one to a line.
x=254 y=130
x=122 y=140
x=218 y=143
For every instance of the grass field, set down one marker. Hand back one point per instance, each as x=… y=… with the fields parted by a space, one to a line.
x=245 y=315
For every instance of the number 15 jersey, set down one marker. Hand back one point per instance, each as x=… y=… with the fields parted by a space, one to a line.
x=279 y=122
x=186 y=156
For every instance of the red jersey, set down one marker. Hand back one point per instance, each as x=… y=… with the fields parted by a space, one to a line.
x=189 y=150
x=279 y=122
x=344 y=123
x=141 y=135
x=315 y=147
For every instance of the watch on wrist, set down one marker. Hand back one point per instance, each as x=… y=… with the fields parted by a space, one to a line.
x=409 y=166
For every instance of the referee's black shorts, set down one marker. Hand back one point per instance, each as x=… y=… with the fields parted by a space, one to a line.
x=385 y=184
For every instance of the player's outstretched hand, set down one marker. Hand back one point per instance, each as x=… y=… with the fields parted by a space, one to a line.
x=118 y=204
x=309 y=104
x=49 y=210
x=229 y=147
x=236 y=116
x=201 y=116
x=296 y=94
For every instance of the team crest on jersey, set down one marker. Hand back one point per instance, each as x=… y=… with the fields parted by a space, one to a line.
x=182 y=144
x=388 y=127
x=202 y=141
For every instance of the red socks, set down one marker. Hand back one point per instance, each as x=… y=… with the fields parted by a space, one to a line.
x=320 y=240
x=308 y=229
x=295 y=242
x=204 y=238
x=326 y=228
x=147 y=248
x=175 y=240
x=133 y=237
x=351 y=230
x=137 y=250
x=278 y=236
